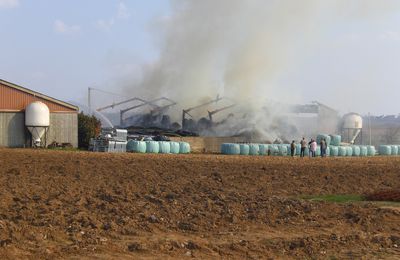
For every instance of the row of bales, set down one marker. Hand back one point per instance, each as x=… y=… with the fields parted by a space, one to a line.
x=284 y=150
x=158 y=147
x=389 y=149
x=333 y=142
x=335 y=147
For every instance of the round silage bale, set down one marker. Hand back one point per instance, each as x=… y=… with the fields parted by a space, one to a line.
x=231 y=149
x=283 y=149
x=385 y=150
x=318 y=151
x=136 y=146
x=254 y=149
x=334 y=151
x=342 y=151
x=395 y=150
x=298 y=149
x=355 y=150
x=263 y=149
x=152 y=147
x=129 y=146
x=371 y=150
x=274 y=149
x=328 y=151
x=288 y=150
x=244 y=149
x=336 y=140
x=349 y=151
x=307 y=152
x=363 y=151
x=184 y=147
x=165 y=147
x=174 y=147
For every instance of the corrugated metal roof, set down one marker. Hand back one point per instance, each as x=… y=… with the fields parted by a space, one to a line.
x=36 y=95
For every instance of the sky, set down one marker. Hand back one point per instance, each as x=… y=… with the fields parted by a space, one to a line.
x=62 y=47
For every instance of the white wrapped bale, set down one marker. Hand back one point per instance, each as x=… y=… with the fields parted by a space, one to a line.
x=165 y=147
x=395 y=149
x=385 y=150
x=371 y=150
x=136 y=146
x=254 y=149
x=334 y=151
x=231 y=149
x=152 y=147
x=244 y=149
x=363 y=151
x=318 y=151
x=184 y=147
x=174 y=147
x=263 y=149
x=283 y=150
x=336 y=140
x=349 y=150
x=356 y=150
x=342 y=151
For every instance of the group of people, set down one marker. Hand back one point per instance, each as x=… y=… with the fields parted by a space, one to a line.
x=312 y=147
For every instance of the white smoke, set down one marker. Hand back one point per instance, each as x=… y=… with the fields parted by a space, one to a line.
x=243 y=50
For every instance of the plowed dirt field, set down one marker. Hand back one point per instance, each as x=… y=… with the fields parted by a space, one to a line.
x=81 y=205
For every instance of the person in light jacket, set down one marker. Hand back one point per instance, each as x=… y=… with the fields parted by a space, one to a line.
x=313 y=148
x=303 y=144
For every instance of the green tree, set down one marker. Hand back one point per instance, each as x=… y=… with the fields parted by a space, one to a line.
x=88 y=127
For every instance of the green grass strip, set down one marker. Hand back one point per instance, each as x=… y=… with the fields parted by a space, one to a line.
x=334 y=198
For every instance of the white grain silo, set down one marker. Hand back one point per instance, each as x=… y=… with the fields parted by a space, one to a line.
x=352 y=128
x=37 y=120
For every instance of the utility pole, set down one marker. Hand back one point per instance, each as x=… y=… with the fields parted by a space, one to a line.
x=369 y=120
x=89 y=105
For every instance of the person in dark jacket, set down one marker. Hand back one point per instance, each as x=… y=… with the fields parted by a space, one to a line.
x=292 y=148
x=323 y=147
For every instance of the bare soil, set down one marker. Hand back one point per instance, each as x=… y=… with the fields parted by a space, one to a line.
x=81 y=205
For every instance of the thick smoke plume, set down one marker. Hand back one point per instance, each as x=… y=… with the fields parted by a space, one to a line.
x=243 y=50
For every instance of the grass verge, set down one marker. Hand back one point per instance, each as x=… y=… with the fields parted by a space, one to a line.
x=335 y=198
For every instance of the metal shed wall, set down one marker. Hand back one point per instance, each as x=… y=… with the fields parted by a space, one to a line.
x=12 y=129
x=13 y=133
x=63 y=128
x=13 y=100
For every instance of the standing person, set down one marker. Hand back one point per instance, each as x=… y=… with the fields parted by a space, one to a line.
x=323 y=147
x=292 y=148
x=303 y=144
x=313 y=148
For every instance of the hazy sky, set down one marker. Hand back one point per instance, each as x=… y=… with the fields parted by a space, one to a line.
x=60 y=48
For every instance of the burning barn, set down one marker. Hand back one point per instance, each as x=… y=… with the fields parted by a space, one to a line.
x=221 y=117
x=205 y=125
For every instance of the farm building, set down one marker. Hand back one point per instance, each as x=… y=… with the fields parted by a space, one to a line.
x=14 y=99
